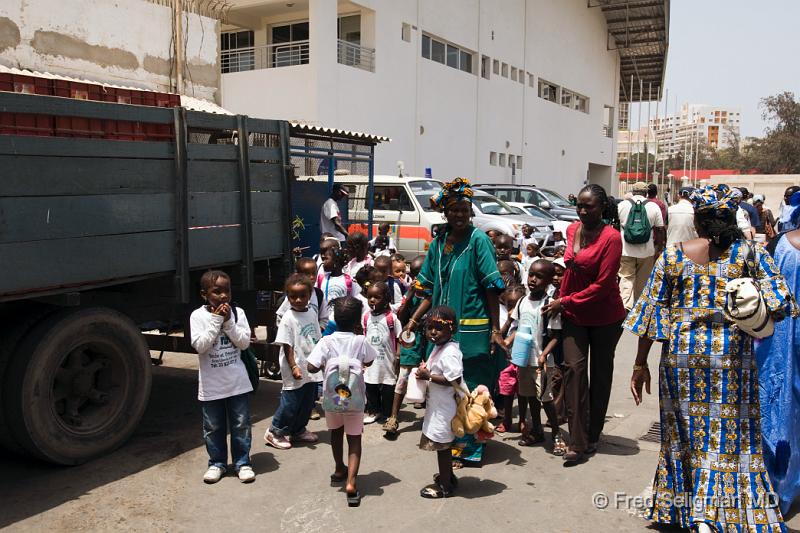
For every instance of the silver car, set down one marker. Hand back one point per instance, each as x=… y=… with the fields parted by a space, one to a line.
x=491 y=213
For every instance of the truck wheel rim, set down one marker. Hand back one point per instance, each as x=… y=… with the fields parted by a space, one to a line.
x=88 y=387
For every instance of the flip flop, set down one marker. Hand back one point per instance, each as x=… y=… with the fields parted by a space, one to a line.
x=531 y=440
x=353 y=499
x=434 y=492
x=338 y=478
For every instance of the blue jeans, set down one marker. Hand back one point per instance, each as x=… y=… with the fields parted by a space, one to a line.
x=220 y=416
x=294 y=411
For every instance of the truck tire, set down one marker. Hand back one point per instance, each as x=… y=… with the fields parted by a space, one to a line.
x=16 y=324
x=78 y=385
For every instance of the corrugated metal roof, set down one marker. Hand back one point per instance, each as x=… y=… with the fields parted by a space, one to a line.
x=304 y=127
x=639 y=31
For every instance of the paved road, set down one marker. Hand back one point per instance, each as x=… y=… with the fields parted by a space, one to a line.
x=154 y=481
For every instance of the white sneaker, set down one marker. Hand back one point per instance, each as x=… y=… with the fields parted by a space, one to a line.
x=306 y=436
x=281 y=443
x=370 y=418
x=213 y=474
x=246 y=474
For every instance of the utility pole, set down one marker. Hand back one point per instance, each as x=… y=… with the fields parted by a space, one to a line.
x=180 y=53
x=647 y=138
x=639 y=128
x=630 y=109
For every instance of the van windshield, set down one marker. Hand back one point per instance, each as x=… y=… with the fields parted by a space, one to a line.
x=423 y=190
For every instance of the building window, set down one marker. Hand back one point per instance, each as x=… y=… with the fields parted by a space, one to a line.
x=405 y=32
x=493 y=159
x=519 y=162
x=485 y=72
x=530 y=79
x=289 y=44
x=465 y=63
x=608 y=121
x=581 y=103
x=566 y=98
x=548 y=91
x=513 y=73
x=504 y=70
x=236 y=51
x=502 y=160
x=446 y=54
x=496 y=67
x=521 y=77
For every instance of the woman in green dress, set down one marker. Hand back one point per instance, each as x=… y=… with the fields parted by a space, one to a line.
x=460 y=271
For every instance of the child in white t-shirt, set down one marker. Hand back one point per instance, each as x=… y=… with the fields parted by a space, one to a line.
x=535 y=381
x=219 y=333
x=297 y=335
x=382 y=329
x=327 y=354
x=383 y=243
x=308 y=268
x=443 y=369
x=332 y=281
x=357 y=245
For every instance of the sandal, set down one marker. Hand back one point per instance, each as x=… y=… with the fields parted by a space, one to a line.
x=434 y=492
x=391 y=425
x=353 y=499
x=500 y=428
x=572 y=458
x=457 y=465
x=531 y=440
x=338 y=478
x=559 y=446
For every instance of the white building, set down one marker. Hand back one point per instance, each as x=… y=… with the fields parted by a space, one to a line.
x=716 y=126
x=496 y=90
x=636 y=142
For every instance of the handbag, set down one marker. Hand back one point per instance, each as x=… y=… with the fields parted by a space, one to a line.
x=253 y=368
x=745 y=305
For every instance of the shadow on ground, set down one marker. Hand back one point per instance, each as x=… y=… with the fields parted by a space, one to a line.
x=30 y=487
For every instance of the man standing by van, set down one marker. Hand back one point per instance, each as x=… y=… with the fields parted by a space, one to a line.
x=330 y=219
x=642 y=240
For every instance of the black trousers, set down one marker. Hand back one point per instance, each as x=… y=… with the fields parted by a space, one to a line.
x=379 y=399
x=588 y=351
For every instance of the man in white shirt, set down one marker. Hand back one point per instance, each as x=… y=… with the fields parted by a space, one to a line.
x=638 y=259
x=742 y=216
x=681 y=219
x=330 y=220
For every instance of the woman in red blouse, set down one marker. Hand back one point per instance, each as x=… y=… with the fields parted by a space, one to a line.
x=592 y=315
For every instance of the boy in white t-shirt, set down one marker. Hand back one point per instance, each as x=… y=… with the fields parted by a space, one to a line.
x=535 y=381
x=382 y=329
x=219 y=333
x=297 y=335
x=357 y=245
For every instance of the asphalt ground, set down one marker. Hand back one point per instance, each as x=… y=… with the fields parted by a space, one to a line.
x=154 y=482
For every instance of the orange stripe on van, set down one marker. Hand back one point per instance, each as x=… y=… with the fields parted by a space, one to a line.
x=403 y=232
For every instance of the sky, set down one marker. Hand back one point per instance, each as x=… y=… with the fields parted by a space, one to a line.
x=732 y=53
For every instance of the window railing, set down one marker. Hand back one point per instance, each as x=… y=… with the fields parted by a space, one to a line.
x=608 y=131
x=267 y=56
x=354 y=55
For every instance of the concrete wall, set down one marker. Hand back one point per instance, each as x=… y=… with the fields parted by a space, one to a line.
x=125 y=43
x=444 y=118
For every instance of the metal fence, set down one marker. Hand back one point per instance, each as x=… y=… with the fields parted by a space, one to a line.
x=266 y=56
x=354 y=55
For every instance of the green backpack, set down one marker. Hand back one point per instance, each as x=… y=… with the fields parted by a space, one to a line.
x=637 y=227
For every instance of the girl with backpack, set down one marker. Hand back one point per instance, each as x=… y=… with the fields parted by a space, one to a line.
x=381 y=328
x=344 y=355
x=333 y=283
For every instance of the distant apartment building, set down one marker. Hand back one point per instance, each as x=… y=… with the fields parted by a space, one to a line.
x=521 y=91
x=715 y=126
x=642 y=141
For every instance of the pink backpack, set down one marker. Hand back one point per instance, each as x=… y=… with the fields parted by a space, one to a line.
x=348 y=282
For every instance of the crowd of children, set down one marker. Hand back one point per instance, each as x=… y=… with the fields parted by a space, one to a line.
x=339 y=332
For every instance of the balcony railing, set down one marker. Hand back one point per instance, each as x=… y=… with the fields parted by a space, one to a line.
x=267 y=56
x=354 y=55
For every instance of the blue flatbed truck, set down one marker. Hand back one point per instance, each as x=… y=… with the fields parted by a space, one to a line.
x=103 y=241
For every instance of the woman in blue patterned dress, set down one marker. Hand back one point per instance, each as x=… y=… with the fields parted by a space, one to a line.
x=711 y=473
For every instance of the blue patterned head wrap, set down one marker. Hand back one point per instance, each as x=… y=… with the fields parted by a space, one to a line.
x=794 y=201
x=452 y=192
x=716 y=198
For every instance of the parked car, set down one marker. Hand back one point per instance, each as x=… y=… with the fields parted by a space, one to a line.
x=547 y=199
x=491 y=213
x=559 y=226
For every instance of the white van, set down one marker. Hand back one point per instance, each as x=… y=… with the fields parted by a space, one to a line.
x=402 y=202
